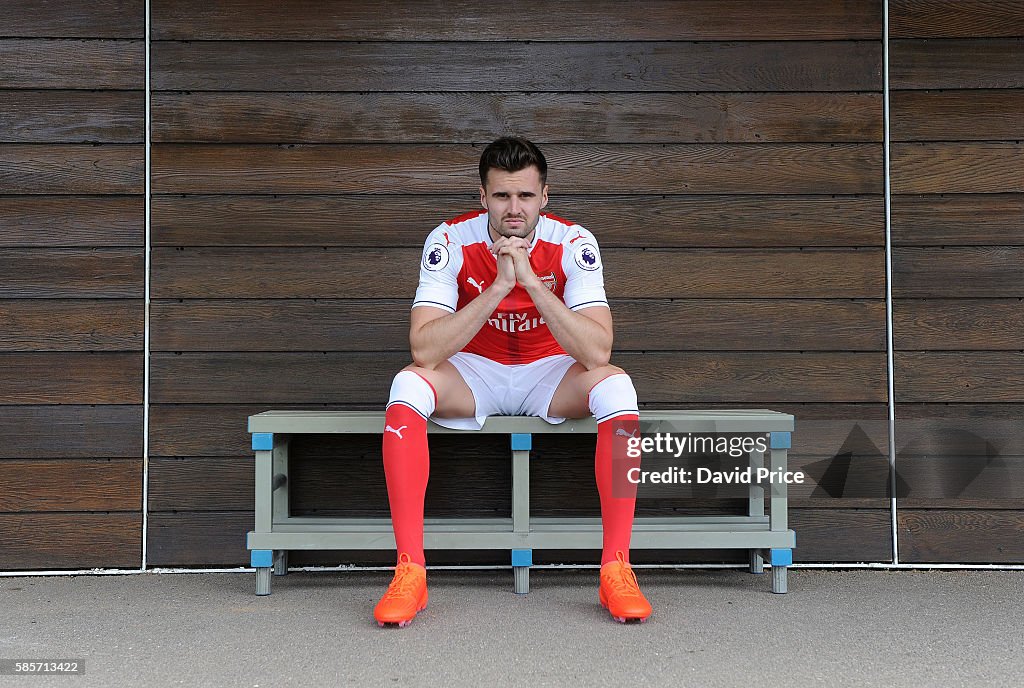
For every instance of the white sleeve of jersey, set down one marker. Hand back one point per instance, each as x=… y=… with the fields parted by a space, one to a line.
x=439 y=272
x=584 y=273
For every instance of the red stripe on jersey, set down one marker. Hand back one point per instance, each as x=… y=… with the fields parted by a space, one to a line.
x=569 y=223
x=465 y=216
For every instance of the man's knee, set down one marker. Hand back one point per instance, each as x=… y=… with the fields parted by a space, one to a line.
x=451 y=394
x=613 y=394
x=414 y=390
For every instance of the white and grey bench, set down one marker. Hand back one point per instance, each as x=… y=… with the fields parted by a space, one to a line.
x=766 y=536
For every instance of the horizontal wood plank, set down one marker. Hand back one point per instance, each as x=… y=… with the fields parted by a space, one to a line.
x=310 y=378
x=413 y=169
x=375 y=325
x=201 y=430
x=72 y=273
x=842 y=535
x=409 y=20
x=967 y=219
x=219 y=430
x=70 y=541
x=71 y=378
x=73 y=117
x=962 y=536
x=956 y=63
x=72 y=221
x=970 y=481
x=958 y=324
x=74 y=325
x=541 y=117
x=972 y=115
x=666 y=221
x=201 y=484
x=71 y=485
x=71 y=169
x=71 y=431
x=72 y=64
x=978 y=272
x=75 y=19
x=924 y=168
x=944 y=428
x=955 y=18
x=334 y=273
x=517 y=66
x=959 y=377
x=215 y=538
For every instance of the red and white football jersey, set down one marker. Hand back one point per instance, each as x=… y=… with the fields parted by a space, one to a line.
x=457 y=266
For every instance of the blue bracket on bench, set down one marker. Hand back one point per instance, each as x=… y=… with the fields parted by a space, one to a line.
x=522 y=441
x=263 y=441
x=522 y=557
x=261 y=558
x=781 y=440
x=780 y=557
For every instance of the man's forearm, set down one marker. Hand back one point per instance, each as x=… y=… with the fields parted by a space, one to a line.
x=582 y=338
x=438 y=339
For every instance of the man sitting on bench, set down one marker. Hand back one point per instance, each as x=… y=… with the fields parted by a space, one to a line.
x=510 y=318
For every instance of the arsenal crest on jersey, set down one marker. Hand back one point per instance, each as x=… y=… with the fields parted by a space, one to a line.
x=550 y=281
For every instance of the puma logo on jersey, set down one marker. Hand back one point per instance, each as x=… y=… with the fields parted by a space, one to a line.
x=479 y=285
x=578 y=236
x=622 y=432
x=447 y=241
x=388 y=428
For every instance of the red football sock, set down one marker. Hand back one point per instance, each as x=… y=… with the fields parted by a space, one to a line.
x=406 y=468
x=618 y=495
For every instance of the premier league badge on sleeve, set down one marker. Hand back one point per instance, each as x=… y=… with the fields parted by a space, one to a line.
x=435 y=257
x=587 y=257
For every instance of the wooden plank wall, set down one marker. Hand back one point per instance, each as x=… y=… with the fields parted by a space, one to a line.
x=957 y=74
x=71 y=283
x=728 y=157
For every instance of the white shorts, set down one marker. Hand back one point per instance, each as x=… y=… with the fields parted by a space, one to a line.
x=508 y=390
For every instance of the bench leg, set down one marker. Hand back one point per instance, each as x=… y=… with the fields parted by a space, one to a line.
x=263 y=578
x=522 y=560
x=280 y=562
x=756 y=562
x=779 y=579
x=522 y=574
x=263 y=561
x=781 y=560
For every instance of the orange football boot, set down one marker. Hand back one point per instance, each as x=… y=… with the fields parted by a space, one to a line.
x=406 y=595
x=620 y=593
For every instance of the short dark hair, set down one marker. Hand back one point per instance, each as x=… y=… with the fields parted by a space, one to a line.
x=512 y=153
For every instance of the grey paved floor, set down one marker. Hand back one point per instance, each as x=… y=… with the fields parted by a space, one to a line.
x=710 y=628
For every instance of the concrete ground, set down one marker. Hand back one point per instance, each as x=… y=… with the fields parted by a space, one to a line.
x=710 y=628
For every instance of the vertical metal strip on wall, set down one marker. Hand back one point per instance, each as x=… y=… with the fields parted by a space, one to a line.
x=145 y=345
x=889 y=345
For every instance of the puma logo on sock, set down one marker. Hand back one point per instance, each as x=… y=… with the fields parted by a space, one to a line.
x=388 y=428
x=622 y=432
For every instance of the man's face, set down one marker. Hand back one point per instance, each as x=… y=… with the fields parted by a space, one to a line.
x=513 y=201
